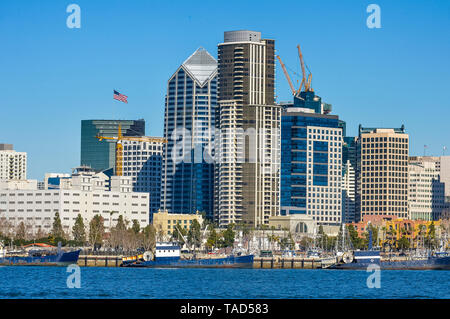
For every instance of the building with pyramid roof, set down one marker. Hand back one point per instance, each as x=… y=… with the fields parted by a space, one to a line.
x=188 y=172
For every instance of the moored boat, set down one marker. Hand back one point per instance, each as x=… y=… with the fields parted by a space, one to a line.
x=363 y=259
x=168 y=255
x=38 y=255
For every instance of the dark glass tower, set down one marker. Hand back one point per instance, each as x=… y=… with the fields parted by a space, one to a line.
x=187 y=182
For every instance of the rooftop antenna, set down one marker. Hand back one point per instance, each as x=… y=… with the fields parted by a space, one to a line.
x=425 y=149
x=443 y=150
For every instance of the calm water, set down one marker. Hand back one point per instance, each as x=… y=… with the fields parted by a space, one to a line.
x=50 y=282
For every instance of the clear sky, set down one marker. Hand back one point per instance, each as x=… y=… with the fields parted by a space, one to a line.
x=52 y=77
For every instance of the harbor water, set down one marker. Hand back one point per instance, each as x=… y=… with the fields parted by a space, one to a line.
x=123 y=283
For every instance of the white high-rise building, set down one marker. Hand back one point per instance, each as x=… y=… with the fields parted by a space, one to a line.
x=348 y=193
x=13 y=165
x=426 y=192
x=142 y=163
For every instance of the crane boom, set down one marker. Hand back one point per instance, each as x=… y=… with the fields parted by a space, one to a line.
x=119 y=148
x=302 y=64
x=286 y=74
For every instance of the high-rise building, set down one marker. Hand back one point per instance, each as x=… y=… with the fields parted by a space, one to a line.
x=349 y=160
x=311 y=165
x=426 y=192
x=444 y=169
x=142 y=162
x=247 y=153
x=188 y=169
x=101 y=155
x=382 y=172
x=13 y=165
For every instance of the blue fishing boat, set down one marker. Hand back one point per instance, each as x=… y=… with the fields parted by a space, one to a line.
x=365 y=258
x=168 y=255
x=38 y=255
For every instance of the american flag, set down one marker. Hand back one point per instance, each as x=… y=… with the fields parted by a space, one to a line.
x=120 y=97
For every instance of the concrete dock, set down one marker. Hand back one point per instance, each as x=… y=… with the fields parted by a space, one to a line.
x=275 y=262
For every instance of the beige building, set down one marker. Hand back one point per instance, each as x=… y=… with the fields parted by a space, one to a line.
x=382 y=172
x=301 y=225
x=165 y=222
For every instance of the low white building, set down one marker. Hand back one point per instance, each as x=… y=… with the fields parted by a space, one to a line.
x=83 y=193
x=29 y=184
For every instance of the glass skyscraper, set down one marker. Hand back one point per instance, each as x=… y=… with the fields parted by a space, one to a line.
x=187 y=180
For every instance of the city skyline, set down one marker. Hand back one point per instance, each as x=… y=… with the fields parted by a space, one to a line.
x=373 y=77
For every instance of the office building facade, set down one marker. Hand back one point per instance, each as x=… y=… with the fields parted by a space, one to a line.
x=188 y=168
x=311 y=165
x=382 y=172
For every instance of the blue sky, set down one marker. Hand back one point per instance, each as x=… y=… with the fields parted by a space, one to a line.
x=52 y=77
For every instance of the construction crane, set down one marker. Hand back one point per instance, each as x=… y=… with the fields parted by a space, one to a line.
x=119 y=147
x=306 y=82
x=300 y=56
x=287 y=75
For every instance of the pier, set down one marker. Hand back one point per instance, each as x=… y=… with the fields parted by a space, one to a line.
x=99 y=261
x=275 y=262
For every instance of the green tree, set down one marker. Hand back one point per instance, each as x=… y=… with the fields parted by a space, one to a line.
x=79 y=230
x=213 y=238
x=354 y=238
x=96 y=231
x=365 y=241
x=136 y=227
x=430 y=239
x=178 y=232
x=228 y=236
x=57 y=230
x=403 y=243
x=121 y=224
x=194 y=235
